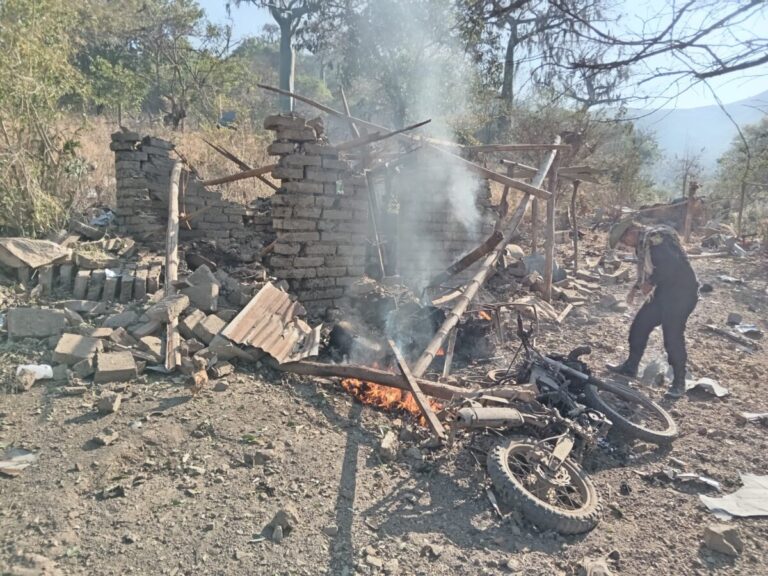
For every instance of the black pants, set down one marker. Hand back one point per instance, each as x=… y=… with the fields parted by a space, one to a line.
x=668 y=308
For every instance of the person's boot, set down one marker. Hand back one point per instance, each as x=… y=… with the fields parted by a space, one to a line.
x=677 y=389
x=627 y=368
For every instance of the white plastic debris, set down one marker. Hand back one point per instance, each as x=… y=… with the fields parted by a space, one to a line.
x=708 y=385
x=749 y=500
x=41 y=371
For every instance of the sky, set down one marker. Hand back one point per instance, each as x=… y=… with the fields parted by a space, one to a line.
x=248 y=20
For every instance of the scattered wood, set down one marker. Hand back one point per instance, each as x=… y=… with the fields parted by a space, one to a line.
x=449 y=353
x=549 y=241
x=516 y=147
x=564 y=314
x=482 y=275
x=434 y=389
x=738 y=338
x=575 y=225
x=466 y=261
x=418 y=395
x=242 y=165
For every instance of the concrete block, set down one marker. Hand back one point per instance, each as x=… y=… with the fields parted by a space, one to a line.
x=169 y=308
x=84 y=368
x=123 y=338
x=210 y=326
x=203 y=296
x=115 y=367
x=152 y=345
x=188 y=323
x=122 y=320
x=72 y=348
x=35 y=322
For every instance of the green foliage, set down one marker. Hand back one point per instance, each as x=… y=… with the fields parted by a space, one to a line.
x=39 y=168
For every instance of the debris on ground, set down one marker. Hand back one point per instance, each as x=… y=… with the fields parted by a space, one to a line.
x=748 y=501
x=14 y=460
x=708 y=385
x=723 y=538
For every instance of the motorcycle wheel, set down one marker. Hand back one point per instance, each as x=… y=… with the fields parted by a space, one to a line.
x=631 y=412
x=565 y=501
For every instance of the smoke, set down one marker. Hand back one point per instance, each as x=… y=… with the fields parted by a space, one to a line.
x=418 y=60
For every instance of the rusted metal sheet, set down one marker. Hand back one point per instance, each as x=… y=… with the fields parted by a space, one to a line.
x=271 y=323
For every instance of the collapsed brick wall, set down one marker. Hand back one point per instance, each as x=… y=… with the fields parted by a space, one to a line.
x=143 y=170
x=435 y=226
x=320 y=214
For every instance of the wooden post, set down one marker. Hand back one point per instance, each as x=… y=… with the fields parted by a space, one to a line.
x=535 y=226
x=742 y=199
x=172 y=355
x=692 y=187
x=418 y=395
x=575 y=226
x=549 y=244
x=449 y=353
x=482 y=274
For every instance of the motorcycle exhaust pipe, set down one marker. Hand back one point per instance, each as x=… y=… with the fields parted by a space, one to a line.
x=489 y=417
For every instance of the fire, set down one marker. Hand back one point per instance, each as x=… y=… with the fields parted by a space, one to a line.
x=484 y=315
x=440 y=352
x=386 y=398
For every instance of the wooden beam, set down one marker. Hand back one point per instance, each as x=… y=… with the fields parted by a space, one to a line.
x=377 y=137
x=172 y=354
x=418 y=395
x=534 y=191
x=485 y=271
x=516 y=147
x=241 y=176
x=240 y=164
x=462 y=264
x=449 y=353
x=575 y=225
x=549 y=240
x=570 y=173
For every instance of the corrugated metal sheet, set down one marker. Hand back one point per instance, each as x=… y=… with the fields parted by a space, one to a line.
x=270 y=322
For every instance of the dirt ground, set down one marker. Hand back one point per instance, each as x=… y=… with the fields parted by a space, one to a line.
x=174 y=495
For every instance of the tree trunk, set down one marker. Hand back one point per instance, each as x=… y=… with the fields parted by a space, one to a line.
x=287 y=64
x=508 y=80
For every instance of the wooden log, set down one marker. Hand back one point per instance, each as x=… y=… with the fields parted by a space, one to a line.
x=516 y=147
x=534 y=191
x=376 y=137
x=418 y=395
x=738 y=338
x=449 y=353
x=466 y=261
x=535 y=226
x=352 y=126
x=564 y=314
x=241 y=176
x=481 y=276
x=240 y=164
x=434 y=389
x=374 y=214
x=549 y=244
x=504 y=203
x=569 y=173
x=172 y=354
x=575 y=226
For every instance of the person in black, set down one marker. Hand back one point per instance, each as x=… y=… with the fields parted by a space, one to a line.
x=666 y=279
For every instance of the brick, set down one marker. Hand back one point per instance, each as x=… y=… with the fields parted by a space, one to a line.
x=146 y=329
x=109 y=402
x=303 y=187
x=203 y=296
x=332 y=226
x=351 y=250
x=282 y=211
x=320 y=249
x=356 y=270
x=328 y=272
x=308 y=261
x=300 y=212
x=72 y=348
x=285 y=173
x=284 y=199
x=66 y=272
x=331 y=163
x=321 y=294
x=339 y=237
x=188 y=323
x=110 y=288
x=280 y=262
x=122 y=320
x=115 y=367
x=326 y=202
x=294 y=224
x=280 y=148
x=208 y=327
x=346 y=281
x=338 y=214
x=301 y=160
x=322 y=175
x=122 y=337
x=152 y=345
x=316 y=283
x=307 y=134
x=281 y=121
x=169 y=308
x=286 y=249
x=334 y=189
x=35 y=322
x=298 y=236
x=296 y=273
x=81 y=284
x=339 y=261
x=320 y=150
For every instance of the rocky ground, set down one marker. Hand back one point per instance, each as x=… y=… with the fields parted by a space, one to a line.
x=189 y=486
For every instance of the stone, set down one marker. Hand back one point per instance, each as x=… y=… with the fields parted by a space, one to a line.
x=207 y=329
x=188 y=323
x=596 y=567
x=203 y=296
x=73 y=318
x=84 y=368
x=123 y=338
x=331 y=530
x=60 y=373
x=107 y=436
x=122 y=320
x=84 y=307
x=152 y=345
x=35 y=322
x=287 y=518
x=98 y=332
x=414 y=454
x=723 y=538
x=221 y=369
x=72 y=348
x=734 y=319
x=374 y=562
x=221 y=387
x=146 y=329
x=169 y=308
x=109 y=402
x=260 y=458
x=431 y=551
x=388 y=447
x=277 y=534
x=115 y=367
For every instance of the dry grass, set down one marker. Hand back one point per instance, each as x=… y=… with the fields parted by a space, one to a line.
x=247 y=144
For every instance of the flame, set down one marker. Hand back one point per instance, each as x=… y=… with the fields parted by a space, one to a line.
x=386 y=398
x=484 y=315
x=440 y=352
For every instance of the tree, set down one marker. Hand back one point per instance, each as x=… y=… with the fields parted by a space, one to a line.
x=289 y=16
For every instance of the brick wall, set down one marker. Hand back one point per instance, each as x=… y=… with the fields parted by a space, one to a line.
x=143 y=169
x=320 y=214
